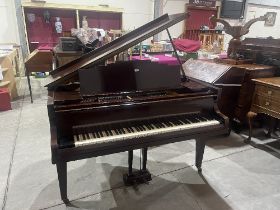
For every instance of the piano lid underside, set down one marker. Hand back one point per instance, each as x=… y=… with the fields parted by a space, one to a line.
x=119 y=45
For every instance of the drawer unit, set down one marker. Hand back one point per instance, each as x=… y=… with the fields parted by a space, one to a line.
x=269 y=92
x=266 y=100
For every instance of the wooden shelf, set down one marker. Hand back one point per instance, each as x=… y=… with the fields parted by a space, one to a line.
x=70 y=7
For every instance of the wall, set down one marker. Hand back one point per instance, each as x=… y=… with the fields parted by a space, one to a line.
x=259 y=29
x=136 y=13
x=266 y=2
x=173 y=7
x=8 y=28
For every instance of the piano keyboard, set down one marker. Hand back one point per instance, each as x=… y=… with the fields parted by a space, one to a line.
x=137 y=129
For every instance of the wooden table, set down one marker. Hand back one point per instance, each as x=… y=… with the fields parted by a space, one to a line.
x=266 y=100
x=38 y=61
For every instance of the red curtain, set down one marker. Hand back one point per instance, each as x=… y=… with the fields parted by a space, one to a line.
x=198 y=17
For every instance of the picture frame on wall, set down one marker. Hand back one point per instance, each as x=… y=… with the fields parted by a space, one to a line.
x=271 y=18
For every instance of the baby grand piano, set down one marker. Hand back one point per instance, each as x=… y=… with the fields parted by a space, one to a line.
x=96 y=109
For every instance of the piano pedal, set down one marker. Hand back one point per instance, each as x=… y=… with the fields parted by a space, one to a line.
x=137 y=177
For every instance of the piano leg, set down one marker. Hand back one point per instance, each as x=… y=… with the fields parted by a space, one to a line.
x=130 y=161
x=144 y=154
x=200 y=146
x=62 y=179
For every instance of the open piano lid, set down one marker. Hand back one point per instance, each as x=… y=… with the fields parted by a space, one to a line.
x=66 y=72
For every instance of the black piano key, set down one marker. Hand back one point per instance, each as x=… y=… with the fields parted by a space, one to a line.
x=180 y=120
x=129 y=129
x=103 y=130
x=97 y=134
x=167 y=122
x=184 y=120
x=141 y=128
x=149 y=126
x=82 y=132
x=154 y=124
x=100 y=133
x=160 y=124
x=107 y=132
x=174 y=121
x=135 y=127
x=204 y=118
x=117 y=131
x=110 y=130
x=207 y=116
x=121 y=130
x=193 y=118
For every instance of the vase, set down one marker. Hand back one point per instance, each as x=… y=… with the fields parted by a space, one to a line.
x=31 y=17
x=58 y=25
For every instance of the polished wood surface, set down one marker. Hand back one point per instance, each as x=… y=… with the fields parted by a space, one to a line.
x=235 y=82
x=266 y=100
x=64 y=114
x=260 y=50
x=70 y=111
x=38 y=61
x=101 y=54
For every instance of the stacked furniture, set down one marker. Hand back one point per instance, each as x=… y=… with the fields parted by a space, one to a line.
x=9 y=67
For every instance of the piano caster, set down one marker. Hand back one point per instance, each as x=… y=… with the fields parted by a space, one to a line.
x=200 y=146
x=66 y=201
x=137 y=177
x=248 y=140
x=250 y=116
x=228 y=132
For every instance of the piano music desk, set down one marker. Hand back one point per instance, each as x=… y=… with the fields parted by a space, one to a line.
x=266 y=100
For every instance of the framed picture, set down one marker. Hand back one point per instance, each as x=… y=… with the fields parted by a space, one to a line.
x=271 y=17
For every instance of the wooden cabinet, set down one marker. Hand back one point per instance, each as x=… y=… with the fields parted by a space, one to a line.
x=41 y=34
x=234 y=81
x=266 y=99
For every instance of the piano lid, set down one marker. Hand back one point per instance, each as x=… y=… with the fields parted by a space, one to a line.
x=69 y=70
